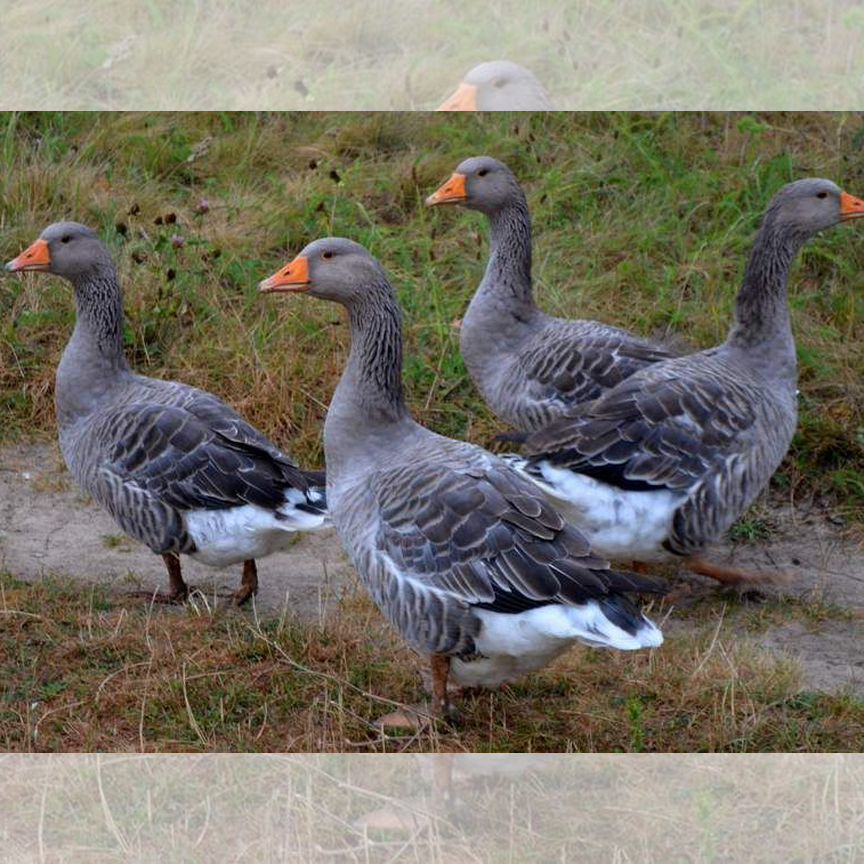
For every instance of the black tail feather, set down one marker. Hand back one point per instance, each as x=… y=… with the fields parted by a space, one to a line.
x=622 y=612
x=314 y=478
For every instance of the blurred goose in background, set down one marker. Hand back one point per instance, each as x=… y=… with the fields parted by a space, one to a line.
x=463 y=555
x=665 y=462
x=177 y=468
x=498 y=85
x=529 y=366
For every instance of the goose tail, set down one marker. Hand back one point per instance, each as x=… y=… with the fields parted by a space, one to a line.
x=609 y=622
x=308 y=509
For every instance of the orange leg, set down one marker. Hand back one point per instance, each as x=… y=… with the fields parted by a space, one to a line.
x=442 y=708
x=732 y=576
x=440 y=672
x=249 y=583
x=179 y=590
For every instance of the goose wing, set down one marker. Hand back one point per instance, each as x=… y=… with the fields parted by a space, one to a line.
x=481 y=533
x=666 y=428
x=572 y=367
x=175 y=455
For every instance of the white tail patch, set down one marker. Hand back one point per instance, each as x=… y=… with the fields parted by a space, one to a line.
x=225 y=537
x=513 y=645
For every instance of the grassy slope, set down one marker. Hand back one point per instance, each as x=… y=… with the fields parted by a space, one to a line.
x=643 y=221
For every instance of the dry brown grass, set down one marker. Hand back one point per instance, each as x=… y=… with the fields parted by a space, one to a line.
x=82 y=670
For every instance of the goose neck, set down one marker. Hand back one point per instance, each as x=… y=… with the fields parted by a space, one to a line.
x=762 y=309
x=368 y=407
x=372 y=380
x=508 y=273
x=99 y=318
x=93 y=360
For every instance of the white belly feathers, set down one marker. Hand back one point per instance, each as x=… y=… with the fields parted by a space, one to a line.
x=225 y=537
x=513 y=645
x=620 y=524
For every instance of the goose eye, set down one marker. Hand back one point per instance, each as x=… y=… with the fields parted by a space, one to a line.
x=65 y=238
x=500 y=82
x=482 y=172
x=821 y=194
x=327 y=255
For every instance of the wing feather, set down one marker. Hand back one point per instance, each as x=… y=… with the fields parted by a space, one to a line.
x=487 y=537
x=173 y=455
x=656 y=430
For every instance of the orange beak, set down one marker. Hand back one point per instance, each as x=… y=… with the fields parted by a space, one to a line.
x=35 y=257
x=451 y=192
x=464 y=99
x=850 y=207
x=292 y=277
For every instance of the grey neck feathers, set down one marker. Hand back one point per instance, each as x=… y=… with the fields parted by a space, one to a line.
x=98 y=335
x=502 y=313
x=93 y=361
x=762 y=310
x=508 y=274
x=372 y=380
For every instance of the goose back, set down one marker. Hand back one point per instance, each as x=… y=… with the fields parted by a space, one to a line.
x=706 y=428
x=160 y=451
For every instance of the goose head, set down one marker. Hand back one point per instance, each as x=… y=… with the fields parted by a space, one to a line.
x=807 y=206
x=67 y=249
x=331 y=268
x=479 y=183
x=498 y=85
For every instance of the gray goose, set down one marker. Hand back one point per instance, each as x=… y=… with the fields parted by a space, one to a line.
x=498 y=85
x=664 y=463
x=177 y=468
x=529 y=366
x=464 y=556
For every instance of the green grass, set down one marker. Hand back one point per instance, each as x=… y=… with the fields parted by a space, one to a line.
x=385 y=54
x=115 y=541
x=81 y=669
x=750 y=529
x=640 y=220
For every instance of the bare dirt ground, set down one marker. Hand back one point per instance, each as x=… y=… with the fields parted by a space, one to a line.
x=824 y=565
x=48 y=527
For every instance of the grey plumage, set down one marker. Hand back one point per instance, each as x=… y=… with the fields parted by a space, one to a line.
x=529 y=366
x=156 y=453
x=438 y=529
x=711 y=427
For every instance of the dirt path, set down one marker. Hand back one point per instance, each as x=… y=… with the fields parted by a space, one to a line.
x=47 y=527
x=826 y=566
